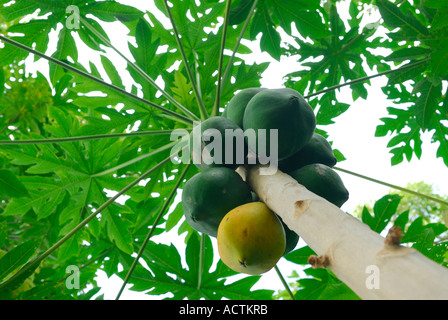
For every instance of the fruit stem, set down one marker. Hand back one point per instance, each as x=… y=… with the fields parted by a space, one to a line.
x=221 y=58
x=201 y=260
x=282 y=279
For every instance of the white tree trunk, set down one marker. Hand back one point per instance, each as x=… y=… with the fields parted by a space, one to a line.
x=358 y=256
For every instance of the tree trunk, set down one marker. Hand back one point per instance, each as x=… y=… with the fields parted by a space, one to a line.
x=371 y=265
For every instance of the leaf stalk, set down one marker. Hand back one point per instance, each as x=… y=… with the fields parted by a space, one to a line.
x=202 y=109
x=151 y=231
x=176 y=116
x=221 y=58
x=363 y=79
x=140 y=71
x=84 y=138
x=285 y=284
x=393 y=186
x=61 y=241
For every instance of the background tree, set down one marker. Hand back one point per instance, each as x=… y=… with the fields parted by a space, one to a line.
x=88 y=171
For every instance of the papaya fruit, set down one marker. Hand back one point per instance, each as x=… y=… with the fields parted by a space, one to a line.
x=224 y=112
x=251 y=239
x=218 y=142
x=323 y=181
x=291 y=237
x=284 y=110
x=237 y=105
x=317 y=150
x=210 y=194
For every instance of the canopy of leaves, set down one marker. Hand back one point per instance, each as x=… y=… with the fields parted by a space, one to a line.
x=95 y=179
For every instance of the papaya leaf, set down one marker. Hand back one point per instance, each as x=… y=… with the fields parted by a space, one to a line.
x=427 y=102
x=436 y=3
x=17 y=257
x=239 y=11
x=270 y=38
x=304 y=14
x=10 y=186
x=323 y=285
x=329 y=109
x=3 y=233
x=402 y=220
x=145 y=51
x=300 y=256
x=167 y=273
x=110 y=11
x=417 y=230
x=66 y=49
x=424 y=238
x=439 y=135
x=437 y=67
x=383 y=210
x=395 y=18
x=182 y=90
x=405 y=131
x=36 y=32
x=408 y=54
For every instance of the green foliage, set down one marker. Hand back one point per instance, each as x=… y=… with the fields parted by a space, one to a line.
x=418 y=39
x=166 y=274
x=58 y=198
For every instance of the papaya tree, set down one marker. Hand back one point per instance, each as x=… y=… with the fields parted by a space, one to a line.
x=96 y=95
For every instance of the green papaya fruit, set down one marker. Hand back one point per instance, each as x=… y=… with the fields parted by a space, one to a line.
x=210 y=194
x=218 y=142
x=317 y=150
x=284 y=110
x=237 y=105
x=292 y=238
x=224 y=112
x=323 y=181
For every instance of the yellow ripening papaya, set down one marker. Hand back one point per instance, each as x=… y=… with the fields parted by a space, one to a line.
x=251 y=239
x=285 y=111
x=210 y=194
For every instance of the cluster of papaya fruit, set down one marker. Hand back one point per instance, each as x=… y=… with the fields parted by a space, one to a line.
x=217 y=201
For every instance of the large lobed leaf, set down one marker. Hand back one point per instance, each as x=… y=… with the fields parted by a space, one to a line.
x=168 y=276
x=420 y=36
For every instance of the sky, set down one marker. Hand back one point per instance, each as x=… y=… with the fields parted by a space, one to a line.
x=352 y=134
